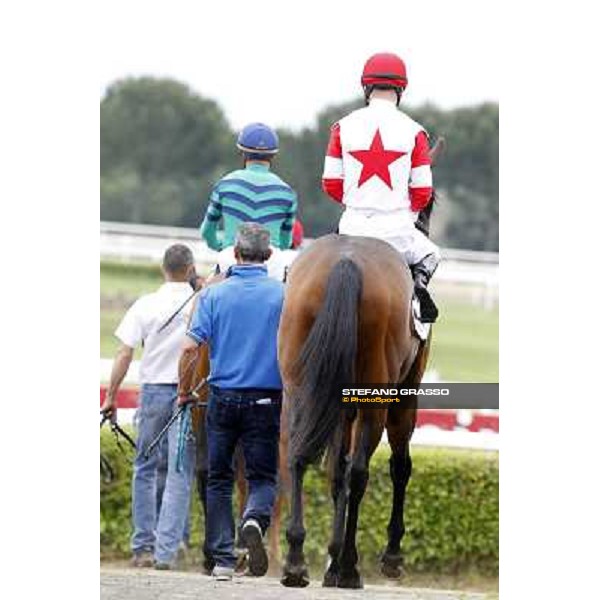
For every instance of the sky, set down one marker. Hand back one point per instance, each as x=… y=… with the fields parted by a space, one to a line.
x=283 y=62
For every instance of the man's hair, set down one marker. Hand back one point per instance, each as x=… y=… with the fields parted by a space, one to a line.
x=252 y=242
x=177 y=259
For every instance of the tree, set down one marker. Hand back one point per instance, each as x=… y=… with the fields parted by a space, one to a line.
x=467 y=174
x=163 y=147
x=157 y=138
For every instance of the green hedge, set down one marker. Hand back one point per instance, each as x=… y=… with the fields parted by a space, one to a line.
x=451 y=512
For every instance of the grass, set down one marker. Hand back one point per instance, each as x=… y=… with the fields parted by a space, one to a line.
x=109 y=321
x=465 y=343
x=465 y=338
x=129 y=279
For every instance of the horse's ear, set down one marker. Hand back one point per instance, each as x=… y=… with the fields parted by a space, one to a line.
x=437 y=149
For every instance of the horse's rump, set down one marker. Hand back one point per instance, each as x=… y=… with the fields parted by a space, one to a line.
x=346 y=319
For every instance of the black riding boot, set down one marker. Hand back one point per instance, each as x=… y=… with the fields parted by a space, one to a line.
x=422 y=273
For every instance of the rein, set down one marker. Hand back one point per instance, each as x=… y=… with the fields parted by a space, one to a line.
x=184 y=414
x=170 y=319
x=194 y=293
x=108 y=473
x=118 y=432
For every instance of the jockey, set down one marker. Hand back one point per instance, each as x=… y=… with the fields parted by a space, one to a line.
x=253 y=193
x=378 y=166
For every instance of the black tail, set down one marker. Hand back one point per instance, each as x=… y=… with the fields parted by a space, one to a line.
x=326 y=362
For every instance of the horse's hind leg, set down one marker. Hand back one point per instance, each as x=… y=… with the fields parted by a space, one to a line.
x=242 y=489
x=339 y=481
x=295 y=573
x=399 y=428
x=283 y=485
x=368 y=433
x=201 y=482
x=275 y=529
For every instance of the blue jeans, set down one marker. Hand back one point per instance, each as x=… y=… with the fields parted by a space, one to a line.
x=157 y=403
x=161 y=481
x=173 y=522
x=231 y=417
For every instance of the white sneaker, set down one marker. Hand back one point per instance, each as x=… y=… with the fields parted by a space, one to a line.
x=222 y=573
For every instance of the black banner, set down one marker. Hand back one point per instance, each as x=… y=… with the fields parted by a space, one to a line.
x=429 y=395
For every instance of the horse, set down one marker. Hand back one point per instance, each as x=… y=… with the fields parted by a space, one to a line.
x=347 y=320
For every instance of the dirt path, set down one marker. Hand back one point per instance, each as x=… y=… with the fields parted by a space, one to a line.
x=148 y=584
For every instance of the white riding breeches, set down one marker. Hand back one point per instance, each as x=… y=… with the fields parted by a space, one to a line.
x=276 y=265
x=396 y=228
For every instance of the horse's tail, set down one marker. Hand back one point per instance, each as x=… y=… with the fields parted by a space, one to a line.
x=327 y=361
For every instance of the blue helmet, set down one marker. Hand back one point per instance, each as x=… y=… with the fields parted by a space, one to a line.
x=258 y=139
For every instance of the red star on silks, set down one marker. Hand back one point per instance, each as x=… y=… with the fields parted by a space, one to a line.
x=376 y=161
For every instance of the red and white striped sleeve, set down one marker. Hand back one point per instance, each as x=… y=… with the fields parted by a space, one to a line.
x=333 y=171
x=421 y=182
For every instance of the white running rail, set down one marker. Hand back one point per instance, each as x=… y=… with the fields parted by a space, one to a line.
x=130 y=241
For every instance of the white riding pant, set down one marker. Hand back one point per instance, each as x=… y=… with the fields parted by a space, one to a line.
x=276 y=265
x=394 y=227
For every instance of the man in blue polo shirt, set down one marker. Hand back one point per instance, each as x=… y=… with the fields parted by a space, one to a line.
x=239 y=319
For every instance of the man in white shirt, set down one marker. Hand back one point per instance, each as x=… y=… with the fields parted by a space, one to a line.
x=157 y=537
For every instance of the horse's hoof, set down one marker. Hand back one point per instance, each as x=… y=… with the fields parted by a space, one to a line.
x=393 y=572
x=391 y=566
x=295 y=577
x=352 y=581
x=330 y=579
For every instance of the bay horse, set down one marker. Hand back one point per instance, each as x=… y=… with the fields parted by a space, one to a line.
x=347 y=320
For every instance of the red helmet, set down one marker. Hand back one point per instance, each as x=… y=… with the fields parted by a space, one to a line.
x=384 y=69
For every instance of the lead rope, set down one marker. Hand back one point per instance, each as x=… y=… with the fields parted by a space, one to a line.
x=176 y=417
x=184 y=423
x=170 y=319
x=182 y=436
x=118 y=432
x=106 y=469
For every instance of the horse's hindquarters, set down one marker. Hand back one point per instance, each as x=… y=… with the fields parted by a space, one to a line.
x=384 y=317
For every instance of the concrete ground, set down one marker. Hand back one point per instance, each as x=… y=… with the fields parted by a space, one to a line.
x=148 y=584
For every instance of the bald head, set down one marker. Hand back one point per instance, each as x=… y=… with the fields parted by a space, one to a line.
x=252 y=243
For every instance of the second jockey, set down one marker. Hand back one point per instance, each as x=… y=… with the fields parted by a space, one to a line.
x=378 y=166
x=253 y=193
